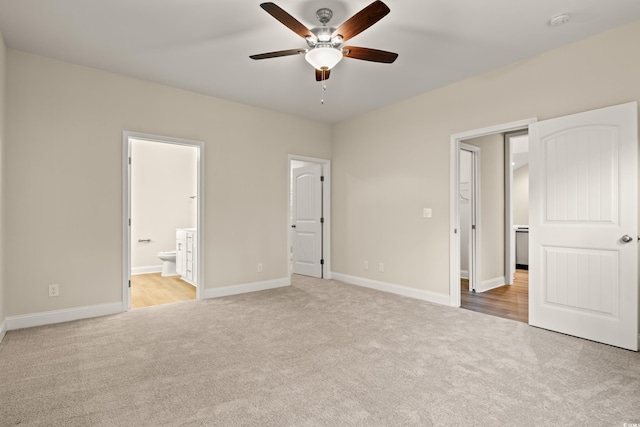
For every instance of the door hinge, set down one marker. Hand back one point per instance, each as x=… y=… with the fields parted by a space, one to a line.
x=321 y=220
x=321 y=262
x=322 y=178
x=129 y=283
x=473 y=227
x=129 y=160
x=129 y=222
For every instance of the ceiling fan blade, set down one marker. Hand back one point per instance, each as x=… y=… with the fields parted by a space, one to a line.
x=278 y=53
x=362 y=20
x=366 y=54
x=289 y=21
x=322 y=75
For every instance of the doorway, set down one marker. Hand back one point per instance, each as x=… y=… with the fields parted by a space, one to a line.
x=308 y=216
x=162 y=220
x=492 y=285
x=583 y=221
x=488 y=272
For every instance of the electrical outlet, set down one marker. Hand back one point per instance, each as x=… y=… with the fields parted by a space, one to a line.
x=381 y=267
x=54 y=290
x=259 y=267
x=427 y=213
x=365 y=265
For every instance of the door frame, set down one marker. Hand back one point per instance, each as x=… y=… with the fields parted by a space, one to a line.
x=126 y=208
x=474 y=207
x=454 y=184
x=326 y=212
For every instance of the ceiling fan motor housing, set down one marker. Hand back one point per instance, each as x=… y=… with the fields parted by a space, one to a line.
x=323 y=36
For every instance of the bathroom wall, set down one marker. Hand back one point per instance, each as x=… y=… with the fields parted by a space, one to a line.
x=520 y=196
x=163 y=181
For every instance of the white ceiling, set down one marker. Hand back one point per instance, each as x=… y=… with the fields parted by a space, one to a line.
x=204 y=45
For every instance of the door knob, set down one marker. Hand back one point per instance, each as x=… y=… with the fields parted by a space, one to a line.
x=626 y=238
x=293 y=226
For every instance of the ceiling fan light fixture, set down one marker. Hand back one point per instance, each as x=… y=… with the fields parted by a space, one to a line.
x=323 y=56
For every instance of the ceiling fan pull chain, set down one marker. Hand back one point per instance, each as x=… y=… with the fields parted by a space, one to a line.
x=324 y=86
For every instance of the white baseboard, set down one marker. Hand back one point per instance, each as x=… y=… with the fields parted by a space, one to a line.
x=3 y=330
x=487 y=285
x=65 y=315
x=464 y=274
x=434 y=297
x=146 y=270
x=246 y=288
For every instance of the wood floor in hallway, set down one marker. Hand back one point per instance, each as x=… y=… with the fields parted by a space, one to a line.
x=153 y=289
x=509 y=301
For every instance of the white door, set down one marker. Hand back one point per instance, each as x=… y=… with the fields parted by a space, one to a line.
x=583 y=273
x=307 y=217
x=468 y=211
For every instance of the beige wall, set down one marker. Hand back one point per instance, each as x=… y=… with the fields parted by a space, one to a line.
x=3 y=52
x=64 y=162
x=491 y=199
x=62 y=156
x=520 y=196
x=392 y=162
x=163 y=180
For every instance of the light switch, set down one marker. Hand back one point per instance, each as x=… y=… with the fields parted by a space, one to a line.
x=427 y=213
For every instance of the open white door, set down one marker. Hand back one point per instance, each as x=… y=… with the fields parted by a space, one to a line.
x=583 y=249
x=307 y=220
x=469 y=212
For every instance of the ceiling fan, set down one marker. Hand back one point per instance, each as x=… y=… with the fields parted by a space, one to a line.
x=325 y=43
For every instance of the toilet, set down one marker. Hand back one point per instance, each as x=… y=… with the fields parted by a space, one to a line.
x=168 y=263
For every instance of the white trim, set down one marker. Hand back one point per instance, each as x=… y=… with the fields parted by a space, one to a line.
x=146 y=269
x=464 y=274
x=65 y=315
x=326 y=211
x=3 y=330
x=429 y=296
x=487 y=285
x=126 y=207
x=246 y=288
x=126 y=229
x=454 y=220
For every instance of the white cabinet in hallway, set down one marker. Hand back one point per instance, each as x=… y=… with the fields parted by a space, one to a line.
x=187 y=254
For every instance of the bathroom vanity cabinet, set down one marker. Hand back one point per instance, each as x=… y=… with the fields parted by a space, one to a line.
x=187 y=254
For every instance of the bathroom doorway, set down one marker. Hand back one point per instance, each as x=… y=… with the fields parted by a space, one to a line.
x=162 y=217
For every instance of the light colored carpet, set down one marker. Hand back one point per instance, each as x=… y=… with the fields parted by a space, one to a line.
x=319 y=353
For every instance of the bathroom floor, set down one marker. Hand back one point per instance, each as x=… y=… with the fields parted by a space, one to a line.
x=153 y=289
